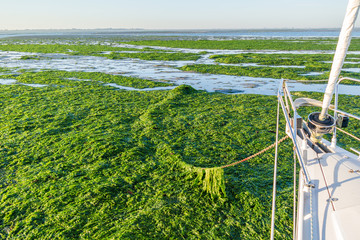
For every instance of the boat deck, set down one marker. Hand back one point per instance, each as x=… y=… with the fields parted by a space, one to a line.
x=331 y=210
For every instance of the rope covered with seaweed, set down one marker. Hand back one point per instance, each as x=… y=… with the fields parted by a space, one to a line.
x=212 y=179
x=256 y=154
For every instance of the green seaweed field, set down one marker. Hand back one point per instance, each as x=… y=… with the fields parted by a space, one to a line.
x=82 y=160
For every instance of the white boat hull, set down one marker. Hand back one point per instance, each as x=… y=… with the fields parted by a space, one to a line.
x=330 y=209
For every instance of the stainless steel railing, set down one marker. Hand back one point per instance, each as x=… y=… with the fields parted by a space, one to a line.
x=337 y=112
x=284 y=94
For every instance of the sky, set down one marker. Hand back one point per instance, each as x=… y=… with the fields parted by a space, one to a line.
x=171 y=14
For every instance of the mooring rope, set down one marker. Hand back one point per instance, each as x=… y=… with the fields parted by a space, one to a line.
x=256 y=154
x=349 y=134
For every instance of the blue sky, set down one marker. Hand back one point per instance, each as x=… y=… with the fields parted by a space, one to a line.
x=171 y=14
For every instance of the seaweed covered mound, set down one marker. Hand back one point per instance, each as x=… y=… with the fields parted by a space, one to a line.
x=183 y=89
x=88 y=162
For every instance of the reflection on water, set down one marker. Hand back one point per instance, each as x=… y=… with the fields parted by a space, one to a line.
x=7 y=81
x=137 y=89
x=159 y=71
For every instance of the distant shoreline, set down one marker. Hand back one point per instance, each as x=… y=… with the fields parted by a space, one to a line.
x=183 y=34
x=174 y=30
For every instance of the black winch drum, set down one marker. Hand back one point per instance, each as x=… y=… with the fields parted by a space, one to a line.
x=320 y=127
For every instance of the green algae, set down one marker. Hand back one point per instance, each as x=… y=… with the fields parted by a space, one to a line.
x=82 y=161
x=172 y=56
x=63 y=78
x=277 y=66
x=313 y=62
x=269 y=72
x=263 y=72
x=247 y=44
x=98 y=50
x=89 y=162
x=62 y=48
x=252 y=44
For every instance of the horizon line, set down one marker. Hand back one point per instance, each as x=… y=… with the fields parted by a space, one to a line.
x=176 y=29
